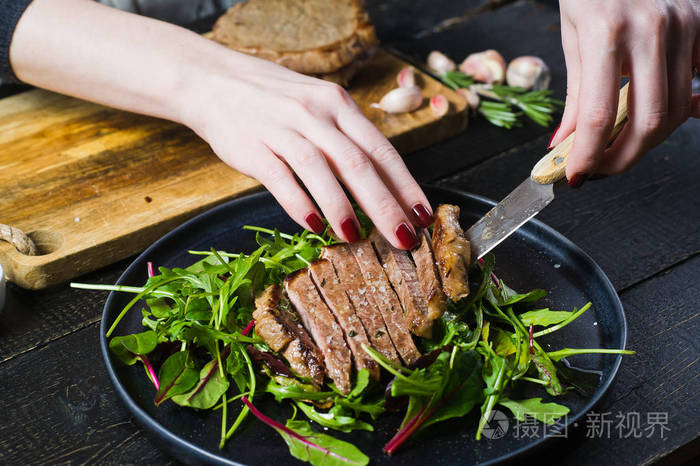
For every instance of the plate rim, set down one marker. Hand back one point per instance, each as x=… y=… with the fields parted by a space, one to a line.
x=174 y=443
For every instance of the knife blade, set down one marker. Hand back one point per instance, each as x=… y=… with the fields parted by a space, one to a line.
x=533 y=194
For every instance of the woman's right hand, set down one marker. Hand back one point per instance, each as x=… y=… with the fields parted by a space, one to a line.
x=271 y=123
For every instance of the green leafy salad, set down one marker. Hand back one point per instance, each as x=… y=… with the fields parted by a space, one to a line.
x=200 y=351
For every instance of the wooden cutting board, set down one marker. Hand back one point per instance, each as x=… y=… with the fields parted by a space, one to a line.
x=93 y=185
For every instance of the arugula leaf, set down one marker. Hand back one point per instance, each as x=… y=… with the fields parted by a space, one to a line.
x=543 y=412
x=204 y=395
x=335 y=418
x=283 y=388
x=543 y=317
x=508 y=299
x=177 y=375
x=126 y=348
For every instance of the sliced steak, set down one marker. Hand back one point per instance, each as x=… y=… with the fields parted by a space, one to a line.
x=361 y=298
x=328 y=283
x=281 y=330
x=403 y=276
x=321 y=324
x=385 y=299
x=428 y=276
x=452 y=253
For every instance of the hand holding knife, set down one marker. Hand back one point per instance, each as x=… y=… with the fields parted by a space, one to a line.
x=533 y=194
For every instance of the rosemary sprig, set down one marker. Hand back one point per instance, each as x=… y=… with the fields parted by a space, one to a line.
x=509 y=103
x=457 y=79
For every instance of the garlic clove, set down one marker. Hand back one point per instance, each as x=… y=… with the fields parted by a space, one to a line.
x=439 y=62
x=472 y=98
x=439 y=105
x=528 y=72
x=400 y=100
x=487 y=66
x=406 y=77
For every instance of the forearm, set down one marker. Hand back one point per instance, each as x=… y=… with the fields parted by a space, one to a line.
x=97 y=53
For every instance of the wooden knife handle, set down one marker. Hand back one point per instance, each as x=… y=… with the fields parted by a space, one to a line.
x=552 y=167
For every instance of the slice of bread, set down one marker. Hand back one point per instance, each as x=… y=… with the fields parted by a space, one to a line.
x=309 y=36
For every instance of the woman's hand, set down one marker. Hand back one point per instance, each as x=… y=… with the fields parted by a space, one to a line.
x=657 y=44
x=262 y=119
x=271 y=123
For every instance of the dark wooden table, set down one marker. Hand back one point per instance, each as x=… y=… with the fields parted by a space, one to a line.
x=643 y=227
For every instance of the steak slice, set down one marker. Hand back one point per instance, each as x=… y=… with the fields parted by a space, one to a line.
x=428 y=276
x=385 y=299
x=328 y=284
x=452 y=252
x=402 y=275
x=361 y=298
x=321 y=324
x=281 y=331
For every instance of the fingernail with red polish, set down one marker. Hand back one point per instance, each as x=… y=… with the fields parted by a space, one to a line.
x=423 y=218
x=577 y=180
x=315 y=223
x=549 y=144
x=350 y=230
x=406 y=236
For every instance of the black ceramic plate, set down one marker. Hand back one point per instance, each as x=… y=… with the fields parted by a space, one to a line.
x=534 y=257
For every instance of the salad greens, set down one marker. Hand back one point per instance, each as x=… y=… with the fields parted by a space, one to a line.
x=199 y=333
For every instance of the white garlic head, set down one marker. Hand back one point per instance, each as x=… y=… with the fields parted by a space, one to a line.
x=528 y=72
x=487 y=66
x=439 y=62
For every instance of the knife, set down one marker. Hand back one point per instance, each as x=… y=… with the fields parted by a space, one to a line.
x=533 y=194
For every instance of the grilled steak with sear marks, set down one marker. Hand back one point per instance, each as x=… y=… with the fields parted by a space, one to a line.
x=386 y=300
x=428 y=276
x=321 y=324
x=361 y=298
x=402 y=274
x=328 y=283
x=452 y=253
x=281 y=330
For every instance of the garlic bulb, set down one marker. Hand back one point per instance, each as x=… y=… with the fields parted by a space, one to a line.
x=528 y=72
x=472 y=98
x=400 y=100
x=487 y=66
x=438 y=62
x=406 y=77
x=439 y=105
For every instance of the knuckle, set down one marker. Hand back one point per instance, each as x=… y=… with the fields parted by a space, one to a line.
x=306 y=156
x=275 y=176
x=654 y=122
x=598 y=118
x=385 y=153
x=336 y=94
x=355 y=160
x=385 y=207
x=652 y=22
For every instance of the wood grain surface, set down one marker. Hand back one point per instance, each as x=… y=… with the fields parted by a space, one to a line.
x=93 y=185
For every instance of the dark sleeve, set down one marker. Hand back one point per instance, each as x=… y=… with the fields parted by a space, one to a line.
x=10 y=12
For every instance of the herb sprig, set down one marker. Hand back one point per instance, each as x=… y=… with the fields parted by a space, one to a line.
x=508 y=104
